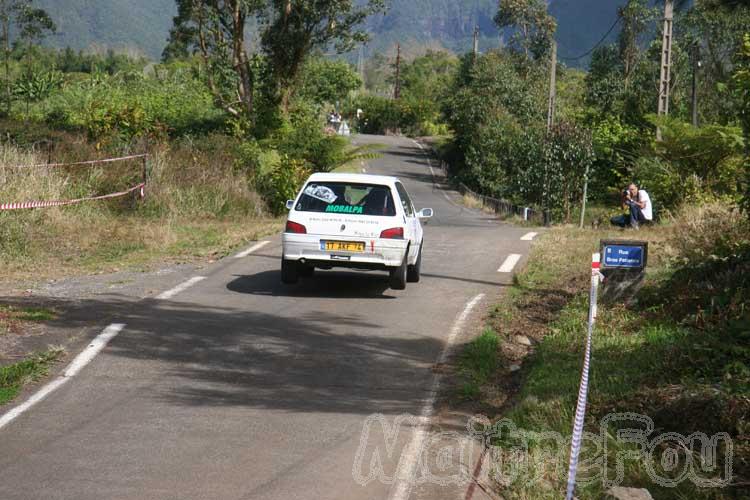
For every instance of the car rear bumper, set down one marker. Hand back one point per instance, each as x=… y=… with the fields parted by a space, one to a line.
x=378 y=254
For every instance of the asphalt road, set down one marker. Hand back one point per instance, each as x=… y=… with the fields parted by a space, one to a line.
x=242 y=388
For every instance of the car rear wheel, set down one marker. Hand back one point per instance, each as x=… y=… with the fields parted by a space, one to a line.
x=414 y=271
x=398 y=274
x=289 y=272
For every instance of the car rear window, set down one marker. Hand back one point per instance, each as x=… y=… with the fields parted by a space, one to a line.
x=347 y=198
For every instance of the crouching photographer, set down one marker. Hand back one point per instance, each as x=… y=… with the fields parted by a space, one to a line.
x=638 y=204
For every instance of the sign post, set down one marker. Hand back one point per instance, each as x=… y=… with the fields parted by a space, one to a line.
x=623 y=265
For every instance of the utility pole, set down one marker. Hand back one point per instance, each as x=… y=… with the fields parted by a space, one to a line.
x=397 y=87
x=552 y=88
x=666 y=62
x=361 y=64
x=696 y=60
x=6 y=51
x=476 y=42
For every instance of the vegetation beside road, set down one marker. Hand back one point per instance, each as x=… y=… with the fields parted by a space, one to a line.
x=13 y=377
x=677 y=354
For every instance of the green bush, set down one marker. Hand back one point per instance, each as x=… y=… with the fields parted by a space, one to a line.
x=283 y=182
x=691 y=164
x=302 y=137
x=131 y=105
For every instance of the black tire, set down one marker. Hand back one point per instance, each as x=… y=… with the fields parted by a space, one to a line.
x=289 y=272
x=413 y=272
x=306 y=271
x=398 y=275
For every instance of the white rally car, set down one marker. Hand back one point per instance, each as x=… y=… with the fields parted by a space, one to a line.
x=355 y=221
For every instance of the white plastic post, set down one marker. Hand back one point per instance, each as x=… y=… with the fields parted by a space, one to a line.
x=583 y=389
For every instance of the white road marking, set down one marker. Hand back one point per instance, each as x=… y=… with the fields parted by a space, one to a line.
x=84 y=358
x=432 y=172
x=180 y=288
x=510 y=263
x=96 y=345
x=37 y=397
x=252 y=249
x=407 y=465
x=529 y=236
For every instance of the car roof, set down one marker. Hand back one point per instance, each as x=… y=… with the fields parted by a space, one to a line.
x=353 y=178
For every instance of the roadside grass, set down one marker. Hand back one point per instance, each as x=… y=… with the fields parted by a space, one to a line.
x=478 y=363
x=11 y=317
x=14 y=377
x=197 y=206
x=110 y=243
x=686 y=368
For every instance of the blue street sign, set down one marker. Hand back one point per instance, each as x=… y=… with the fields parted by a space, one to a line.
x=623 y=255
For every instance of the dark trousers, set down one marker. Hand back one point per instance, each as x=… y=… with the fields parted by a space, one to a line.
x=633 y=219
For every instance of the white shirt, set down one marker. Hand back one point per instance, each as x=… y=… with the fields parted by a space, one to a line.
x=643 y=197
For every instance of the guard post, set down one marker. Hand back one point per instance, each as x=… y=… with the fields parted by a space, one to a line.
x=623 y=266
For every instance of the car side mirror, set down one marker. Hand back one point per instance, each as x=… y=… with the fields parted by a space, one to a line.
x=289 y=204
x=425 y=213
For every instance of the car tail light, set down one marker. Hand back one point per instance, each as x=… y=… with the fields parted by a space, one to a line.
x=394 y=233
x=293 y=227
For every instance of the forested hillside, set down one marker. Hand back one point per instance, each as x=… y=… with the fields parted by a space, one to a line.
x=144 y=24
x=135 y=24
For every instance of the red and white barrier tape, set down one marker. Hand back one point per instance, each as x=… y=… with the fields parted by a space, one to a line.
x=58 y=203
x=88 y=162
x=583 y=389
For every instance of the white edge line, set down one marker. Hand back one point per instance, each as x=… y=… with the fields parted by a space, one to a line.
x=252 y=249
x=72 y=370
x=96 y=345
x=180 y=288
x=529 y=236
x=510 y=263
x=405 y=475
x=432 y=172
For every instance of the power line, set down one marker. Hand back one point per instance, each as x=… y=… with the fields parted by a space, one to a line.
x=592 y=49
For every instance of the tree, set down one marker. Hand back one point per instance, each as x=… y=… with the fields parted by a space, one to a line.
x=296 y=27
x=326 y=81
x=535 y=27
x=290 y=31
x=30 y=23
x=216 y=29
x=636 y=17
x=741 y=80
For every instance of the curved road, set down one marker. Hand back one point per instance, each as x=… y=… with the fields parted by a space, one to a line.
x=242 y=388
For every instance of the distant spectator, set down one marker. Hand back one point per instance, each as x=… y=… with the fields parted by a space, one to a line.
x=638 y=204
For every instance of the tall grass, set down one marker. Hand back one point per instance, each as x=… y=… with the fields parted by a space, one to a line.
x=199 y=201
x=678 y=354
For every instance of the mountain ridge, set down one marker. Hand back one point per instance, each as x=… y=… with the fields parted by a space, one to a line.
x=143 y=25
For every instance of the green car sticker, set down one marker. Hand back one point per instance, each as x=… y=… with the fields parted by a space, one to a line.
x=344 y=209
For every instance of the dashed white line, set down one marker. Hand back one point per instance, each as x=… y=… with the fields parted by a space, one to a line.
x=510 y=263
x=252 y=249
x=84 y=358
x=529 y=236
x=407 y=465
x=180 y=288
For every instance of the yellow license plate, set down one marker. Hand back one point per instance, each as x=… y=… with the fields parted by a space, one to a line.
x=344 y=246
